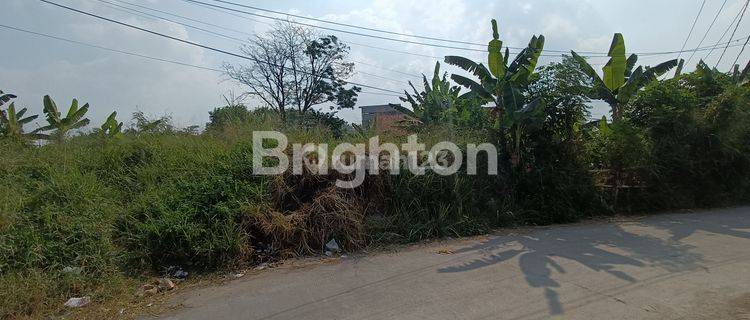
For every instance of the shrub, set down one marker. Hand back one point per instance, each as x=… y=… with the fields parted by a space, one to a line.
x=187 y=204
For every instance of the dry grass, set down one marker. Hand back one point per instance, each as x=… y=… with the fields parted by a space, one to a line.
x=308 y=210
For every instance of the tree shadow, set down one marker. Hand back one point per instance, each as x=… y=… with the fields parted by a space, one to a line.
x=726 y=222
x=602 y=248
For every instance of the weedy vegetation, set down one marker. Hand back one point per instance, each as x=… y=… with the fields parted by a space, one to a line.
x=86 y=212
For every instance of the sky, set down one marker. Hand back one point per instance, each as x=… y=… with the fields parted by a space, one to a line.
x=32 y=66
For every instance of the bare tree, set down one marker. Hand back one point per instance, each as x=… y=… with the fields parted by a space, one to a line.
x=292 y=67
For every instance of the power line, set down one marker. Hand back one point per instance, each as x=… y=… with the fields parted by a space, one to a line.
x=344 y=31
x=382 y=77
x=236 y=55
x=724 y=34
x=108 y=49
x=334 y=29
x=184 y=17
x=240 y=41
x=380 y=94
x=742 y=15
x=229 y=11
x=392 y=70
x=718 y=13
x=195 y=44
x=386 y=31
x=152 y=16
x=138 y=55
x=595 y=54
x=354 y=26
x=691 y=29
x=741 y=51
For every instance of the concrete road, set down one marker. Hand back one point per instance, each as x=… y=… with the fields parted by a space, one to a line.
x=673 y=266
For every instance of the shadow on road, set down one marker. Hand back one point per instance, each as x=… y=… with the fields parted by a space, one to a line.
x=602 y=249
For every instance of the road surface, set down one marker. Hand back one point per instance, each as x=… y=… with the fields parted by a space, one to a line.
x=671 y=266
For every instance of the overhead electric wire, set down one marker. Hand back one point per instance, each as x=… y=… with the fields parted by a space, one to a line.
x=392 y=70
x=594 y=54
x=382 y=77
x=380 y=94
x=108 y=49
x=695 y=21
x=138 y=55
x=153 y=16
x=147 y=15
x=354 y=26
x=240 y=41
x=345 y=31
x=742 y=15
x=188 y=42
x=184 y=17
x=741 y=51
x=718 y=13
x=333 y=29
x=226 y=52
x=724 y=34
x=229 y=11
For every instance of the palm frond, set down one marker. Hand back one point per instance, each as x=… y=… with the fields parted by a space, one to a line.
x=472 y=85
x=630 y=64
x=476 y=69
x=660 y=69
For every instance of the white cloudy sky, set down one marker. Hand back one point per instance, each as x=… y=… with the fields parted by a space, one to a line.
x=32 y=66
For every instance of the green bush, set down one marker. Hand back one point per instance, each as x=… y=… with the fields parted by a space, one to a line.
x=187 y=209
x=698 y=129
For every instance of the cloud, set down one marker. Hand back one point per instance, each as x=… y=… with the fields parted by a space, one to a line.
x=526 y=7
x=111 y=81
x=559 y=25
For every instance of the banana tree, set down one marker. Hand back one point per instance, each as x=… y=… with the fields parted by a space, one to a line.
x=60 y=126
x=621 y=82
x=502 y=84
x=433 y=105
x=111 y=129
x=5 y=97
x=680 y=65
x=13 y=122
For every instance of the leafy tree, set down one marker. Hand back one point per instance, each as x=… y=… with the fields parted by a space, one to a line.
x=698 y=128
x=503 y=85
x=565 y=92
x=60 y=126
x=621 y=82
x=142 y=124
x=291 y=67
x=12 y=122
x=229 y=114
x=434 y=103
x=314 y=119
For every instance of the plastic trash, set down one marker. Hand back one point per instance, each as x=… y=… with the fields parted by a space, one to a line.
x=77 y=302
x=72 y=270
x=176 y=272
x=332 y=246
